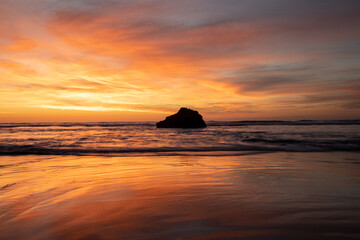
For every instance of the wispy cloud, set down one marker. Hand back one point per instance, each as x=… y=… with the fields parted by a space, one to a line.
x=230 y=59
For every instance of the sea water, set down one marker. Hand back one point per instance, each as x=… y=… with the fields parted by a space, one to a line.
x=117 y=138
x=232 y=180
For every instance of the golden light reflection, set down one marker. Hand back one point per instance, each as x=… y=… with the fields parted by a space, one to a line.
x=76 y=197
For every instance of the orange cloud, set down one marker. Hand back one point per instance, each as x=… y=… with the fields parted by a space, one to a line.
x=146 y=58
x=21 y=45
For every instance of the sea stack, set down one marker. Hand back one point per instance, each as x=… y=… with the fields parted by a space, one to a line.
x=184 y=118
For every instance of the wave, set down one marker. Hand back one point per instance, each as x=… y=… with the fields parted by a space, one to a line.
x=142 y=137
x=152 y=124
x=300 y=122
x=86 y=124
x=39 y=150
x=282 y=147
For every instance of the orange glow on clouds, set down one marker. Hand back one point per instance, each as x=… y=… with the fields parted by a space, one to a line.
x=119 y=61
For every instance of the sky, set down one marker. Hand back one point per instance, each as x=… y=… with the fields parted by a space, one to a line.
x=141 y=60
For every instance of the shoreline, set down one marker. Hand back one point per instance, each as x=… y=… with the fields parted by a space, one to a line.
x=209 y=153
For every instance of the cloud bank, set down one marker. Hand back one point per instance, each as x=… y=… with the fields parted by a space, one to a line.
x=249 y=59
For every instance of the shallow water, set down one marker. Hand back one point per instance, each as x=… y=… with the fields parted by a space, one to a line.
x=250 y=196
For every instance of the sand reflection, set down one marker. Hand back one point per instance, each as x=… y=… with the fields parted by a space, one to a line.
x=185 y=197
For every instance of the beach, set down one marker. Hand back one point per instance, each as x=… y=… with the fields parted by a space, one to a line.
x=179 y=120
x=253 y=195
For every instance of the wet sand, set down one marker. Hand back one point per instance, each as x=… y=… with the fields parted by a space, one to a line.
x=256 y=196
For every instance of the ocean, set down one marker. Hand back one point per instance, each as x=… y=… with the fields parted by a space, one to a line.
x=231 y=180
x=138 y=138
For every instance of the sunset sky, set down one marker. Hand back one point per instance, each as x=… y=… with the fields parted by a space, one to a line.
x=137 y=60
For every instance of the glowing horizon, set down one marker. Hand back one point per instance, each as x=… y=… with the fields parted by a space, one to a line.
x=86 y=60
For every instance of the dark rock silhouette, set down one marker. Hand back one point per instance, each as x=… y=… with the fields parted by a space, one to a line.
x=184 y=118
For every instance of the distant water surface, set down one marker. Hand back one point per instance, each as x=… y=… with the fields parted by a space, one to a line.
x=119 y=138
